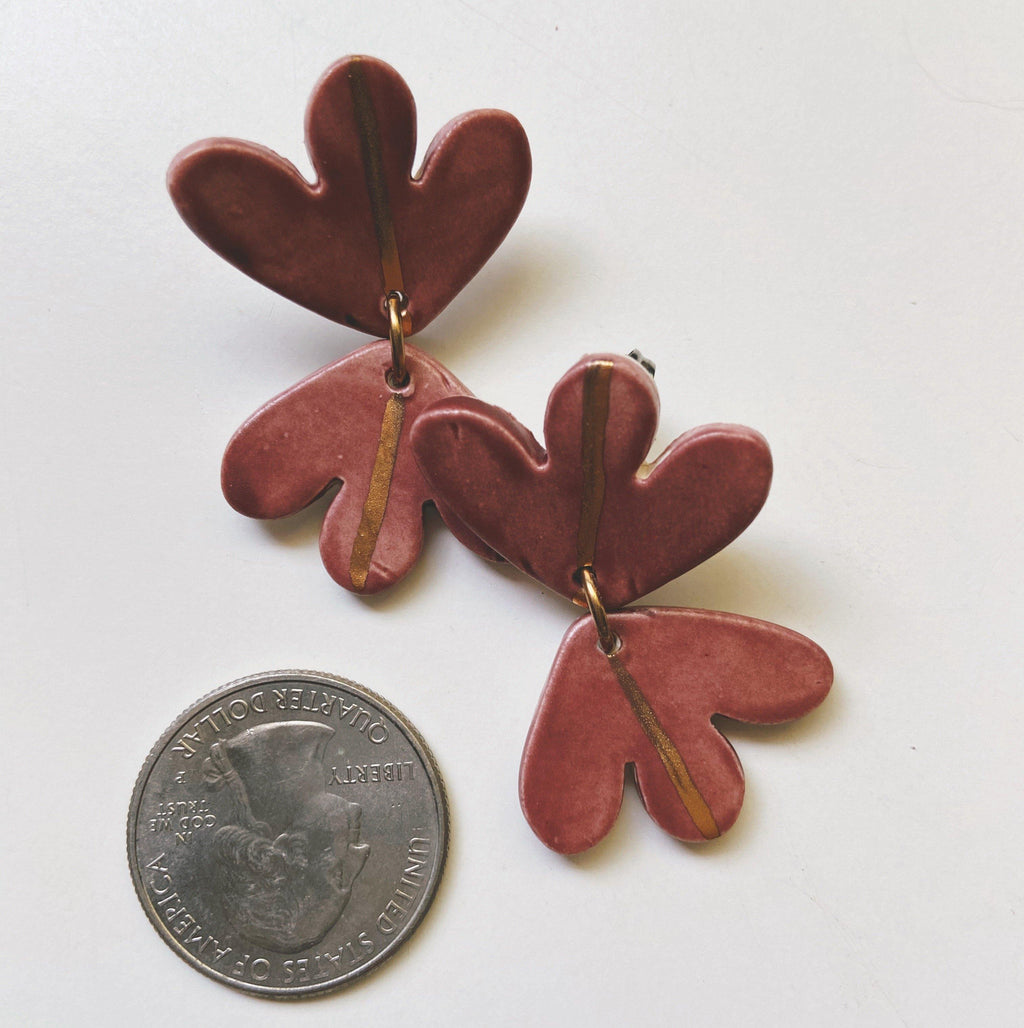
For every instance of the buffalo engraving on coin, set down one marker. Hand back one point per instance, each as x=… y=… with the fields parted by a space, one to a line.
x=288 y=833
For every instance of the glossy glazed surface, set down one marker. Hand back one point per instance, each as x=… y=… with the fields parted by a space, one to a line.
x=344 y=423
x=366 y=226
x=650 y=705
x=589 y=498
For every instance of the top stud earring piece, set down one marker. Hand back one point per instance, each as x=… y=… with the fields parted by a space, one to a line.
x=367 y=226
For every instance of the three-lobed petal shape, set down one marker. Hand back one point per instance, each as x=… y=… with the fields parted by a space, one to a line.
x=367 y=225
x=589 y=498
x=346 y=423
x=650 y=705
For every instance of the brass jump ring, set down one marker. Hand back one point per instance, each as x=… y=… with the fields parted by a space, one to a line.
x=608 y=640
x=396 y=304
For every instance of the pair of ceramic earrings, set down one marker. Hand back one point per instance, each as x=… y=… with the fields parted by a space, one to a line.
x=370 y=246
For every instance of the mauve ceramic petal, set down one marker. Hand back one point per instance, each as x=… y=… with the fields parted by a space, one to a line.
x=366 y=226
x=650 y=705
x=589 y=499
x=344 y=423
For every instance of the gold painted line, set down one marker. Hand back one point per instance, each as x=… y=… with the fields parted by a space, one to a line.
x=377 y=497
x=376 y=183
x=596 y=390
x=696 y=805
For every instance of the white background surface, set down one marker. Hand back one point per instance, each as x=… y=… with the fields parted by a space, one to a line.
x=811 y=216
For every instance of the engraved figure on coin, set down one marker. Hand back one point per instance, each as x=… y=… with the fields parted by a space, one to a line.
x=285 y=866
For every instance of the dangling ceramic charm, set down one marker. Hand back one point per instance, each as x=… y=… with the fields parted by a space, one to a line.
x=597 y=524
x=320 y=431
x=649 y=703
x=371 y=246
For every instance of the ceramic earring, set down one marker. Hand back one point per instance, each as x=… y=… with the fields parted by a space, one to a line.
x=371 y=246
x=591 y=520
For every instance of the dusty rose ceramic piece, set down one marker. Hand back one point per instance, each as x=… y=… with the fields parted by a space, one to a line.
x=650 y=705
x=366 y=226
x=590 y=499
x=346 y=423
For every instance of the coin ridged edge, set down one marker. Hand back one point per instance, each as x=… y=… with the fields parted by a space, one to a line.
x=433 y=885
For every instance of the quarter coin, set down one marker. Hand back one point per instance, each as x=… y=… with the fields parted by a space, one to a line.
x=288 y=833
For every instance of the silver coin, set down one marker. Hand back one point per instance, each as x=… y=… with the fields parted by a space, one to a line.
x=288 y=833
